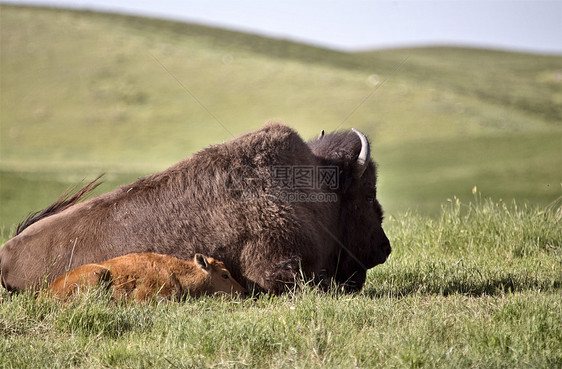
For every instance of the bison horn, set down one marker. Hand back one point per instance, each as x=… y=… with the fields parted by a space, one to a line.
x=362 y=159
x=321 y=135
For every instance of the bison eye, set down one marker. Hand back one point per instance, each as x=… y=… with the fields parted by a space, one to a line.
x=371 y=200
x=224 y=276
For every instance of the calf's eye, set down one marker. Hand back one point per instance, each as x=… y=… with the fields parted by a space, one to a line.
x=224 y=276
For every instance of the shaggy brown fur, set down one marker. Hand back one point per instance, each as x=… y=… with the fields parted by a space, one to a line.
x=146 y=275
x=223 y=202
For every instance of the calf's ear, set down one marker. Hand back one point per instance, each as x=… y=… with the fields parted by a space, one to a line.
x=201 y=261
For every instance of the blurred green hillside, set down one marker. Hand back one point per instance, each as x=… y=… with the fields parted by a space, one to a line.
x=84 y=93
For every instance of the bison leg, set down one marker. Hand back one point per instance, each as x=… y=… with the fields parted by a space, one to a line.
x=83 y=277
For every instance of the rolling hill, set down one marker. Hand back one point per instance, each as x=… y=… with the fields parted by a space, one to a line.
x=84 y=92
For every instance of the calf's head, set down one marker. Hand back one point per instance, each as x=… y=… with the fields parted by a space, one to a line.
x=218 y=277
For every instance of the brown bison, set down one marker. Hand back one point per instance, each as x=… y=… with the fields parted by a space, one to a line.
x=270 y=206
x=143 y=276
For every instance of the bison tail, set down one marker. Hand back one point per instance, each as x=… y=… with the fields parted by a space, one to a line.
x=66 y=200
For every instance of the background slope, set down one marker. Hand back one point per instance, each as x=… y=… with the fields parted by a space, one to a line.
x=84 y=93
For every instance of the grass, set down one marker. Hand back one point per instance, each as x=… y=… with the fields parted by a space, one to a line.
x=511 y=166
x=479 y=286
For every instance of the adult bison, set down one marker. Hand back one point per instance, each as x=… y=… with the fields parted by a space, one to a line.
x=270 y=206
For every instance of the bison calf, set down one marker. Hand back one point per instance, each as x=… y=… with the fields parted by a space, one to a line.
x=142 y=276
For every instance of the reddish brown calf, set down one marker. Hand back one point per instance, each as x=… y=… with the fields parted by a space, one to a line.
x=142 y=276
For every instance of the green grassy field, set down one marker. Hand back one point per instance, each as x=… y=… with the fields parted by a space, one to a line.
x=474 y=285
x=478 y=286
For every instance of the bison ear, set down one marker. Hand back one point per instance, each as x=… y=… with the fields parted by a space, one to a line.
x=201 y=261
